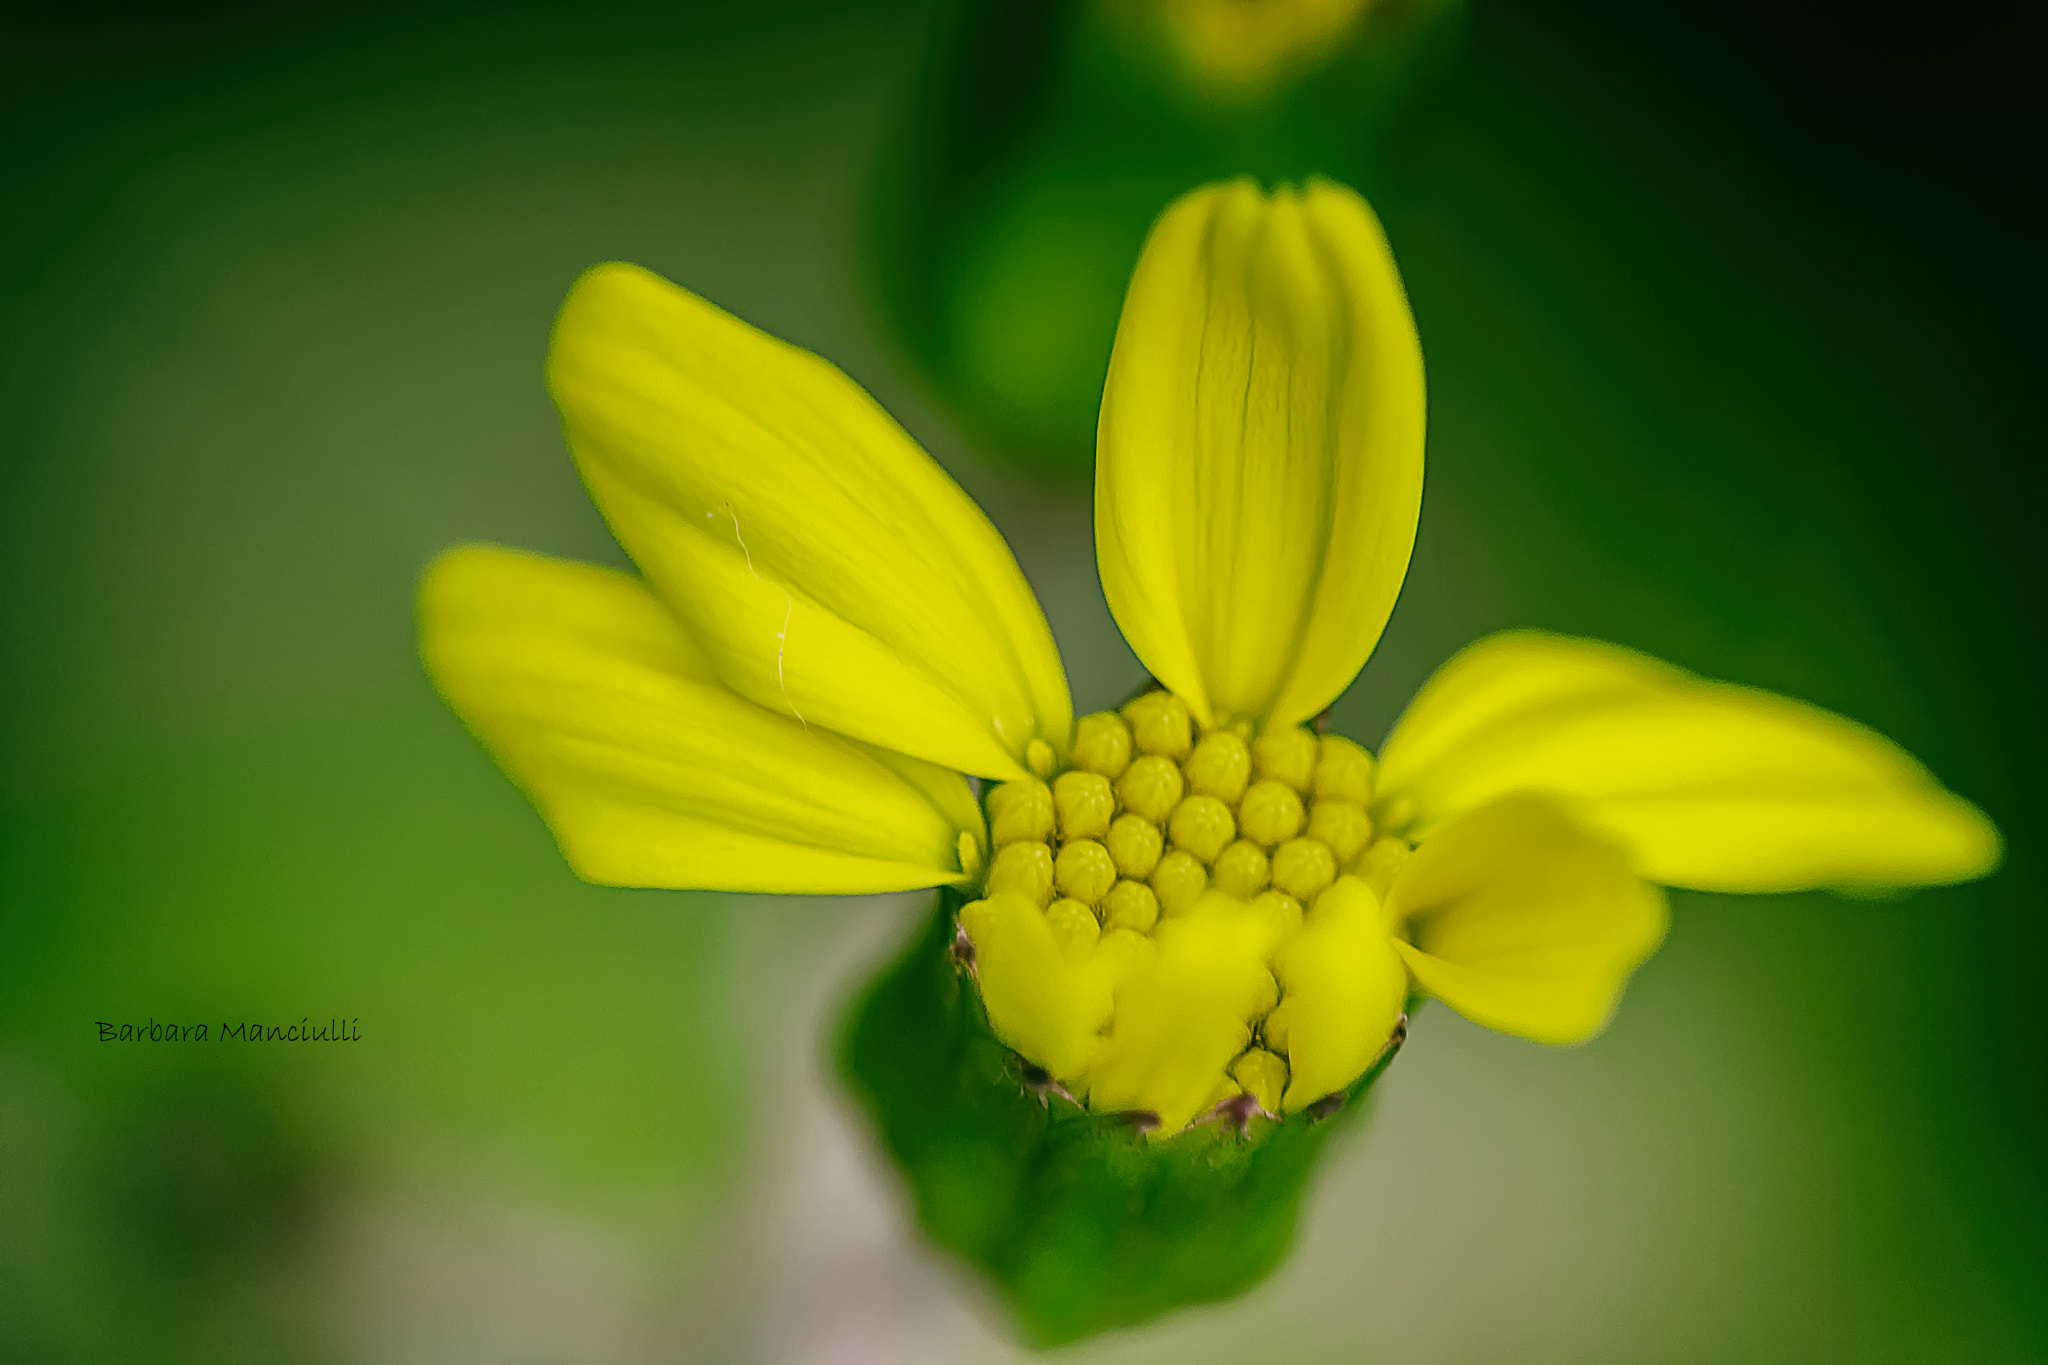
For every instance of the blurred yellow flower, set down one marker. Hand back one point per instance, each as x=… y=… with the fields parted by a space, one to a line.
x=1196 y=899
x=1242 y=48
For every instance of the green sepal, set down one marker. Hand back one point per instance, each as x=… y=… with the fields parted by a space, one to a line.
x=1078 y=1221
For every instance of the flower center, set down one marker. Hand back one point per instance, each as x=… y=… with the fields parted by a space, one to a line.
x=1151 y=815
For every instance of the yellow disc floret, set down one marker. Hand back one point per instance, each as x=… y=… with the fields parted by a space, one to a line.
x=1085 y=804
x=1074 y=928
x=1185 y=961
x=1203 y=826
x=1286 y=756
x=1342 y=825
x=1180 y=879
x=1270 y=812
x=1343 y=771
x=1102 y=745
x=1024 y=869
x=1160 y=724
x=1135 y=843
x=1303 y=868
x=1151 y=787
x=1020 y=810
x=1131 y=905
x=1242 y=870
x=1084 y=871
x=1220 y=766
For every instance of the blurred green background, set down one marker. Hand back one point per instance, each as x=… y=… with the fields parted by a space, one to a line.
x=1732 y=318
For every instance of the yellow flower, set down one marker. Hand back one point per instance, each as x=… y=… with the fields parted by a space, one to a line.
x=1240 y=49
x=1198 y=898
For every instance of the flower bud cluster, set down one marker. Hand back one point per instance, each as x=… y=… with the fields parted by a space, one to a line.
x=1151 y=815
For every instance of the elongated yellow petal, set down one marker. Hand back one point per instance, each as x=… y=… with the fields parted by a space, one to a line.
x=1708 y=785
x=1525 y=921
x=831 y=571
x=648 y=770
x=1046 y=1001
x=1342 y=986
x=1181 y=1021
x=1259 y=459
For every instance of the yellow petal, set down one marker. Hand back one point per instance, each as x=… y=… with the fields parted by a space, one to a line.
x=831 y=571
x=1042 y=1002
x=1708 y=785
x=1181 y=1021
x=648 y=770
x=1342 y=985
x=1259 y=458
x=1524 y=921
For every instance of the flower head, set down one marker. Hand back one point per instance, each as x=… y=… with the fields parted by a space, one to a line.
x=1241 y=49
x=1198 y=902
